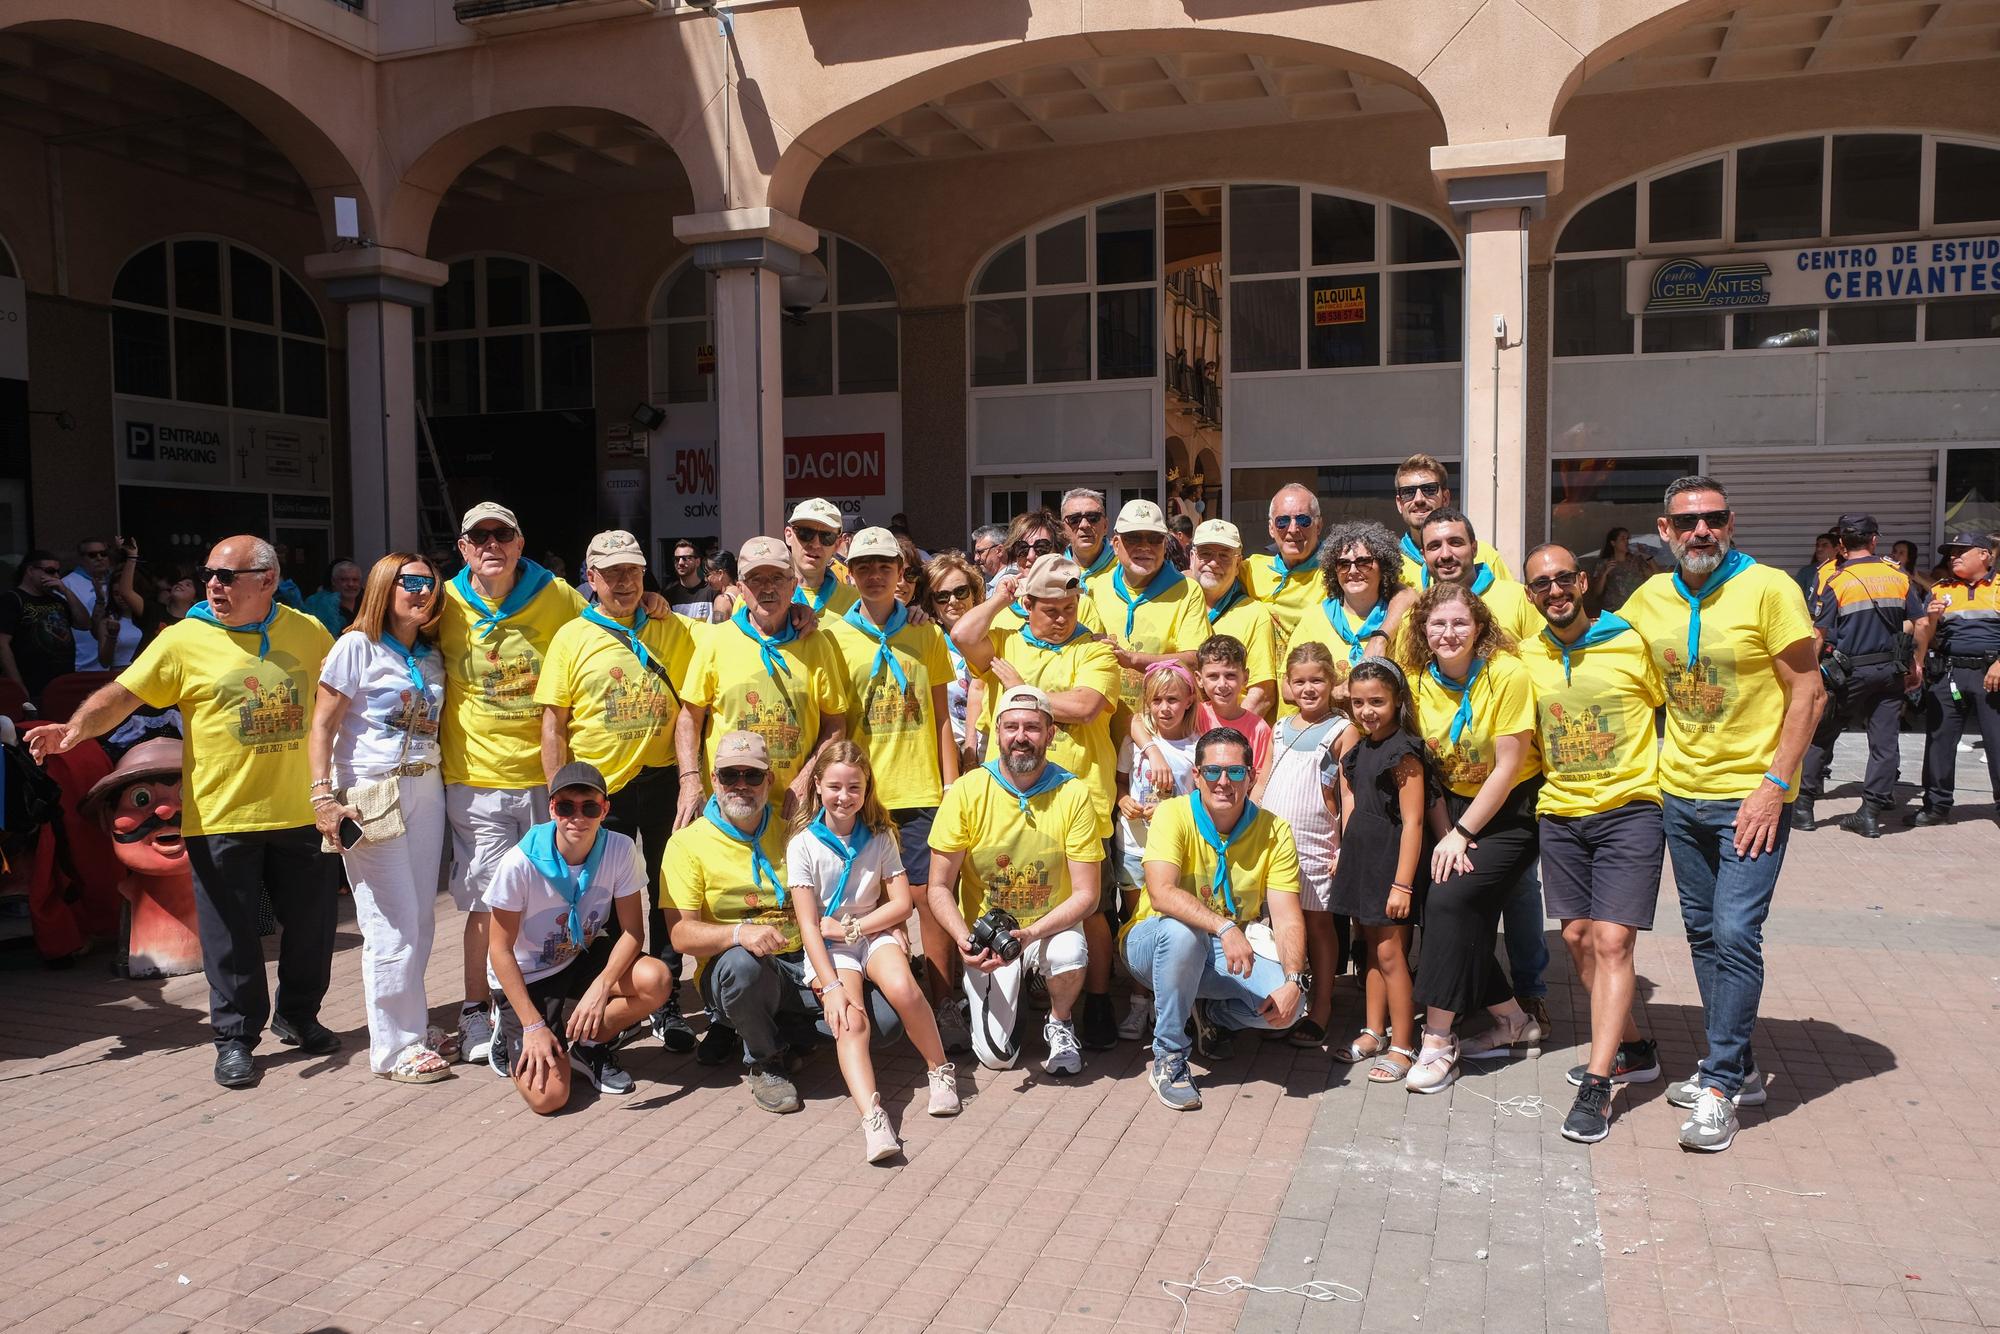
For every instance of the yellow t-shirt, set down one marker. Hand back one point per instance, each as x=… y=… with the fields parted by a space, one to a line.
x=1262 y=860
x=1288 y=597
x=1175 y=621
x=1315 y=628
x=1414 y=570
x=706 y=872
x=1015 y=859
x=492 y=728
x=246 y=718
x=1086 y=615
x=1503 y=703
x=896 y=726
x=1256 y=625
x=1085 y=750
x=1505 y=599
x=1726 y=708
x=840 y=595
x=1595 y=721
x=621 y=715
x=727 y=676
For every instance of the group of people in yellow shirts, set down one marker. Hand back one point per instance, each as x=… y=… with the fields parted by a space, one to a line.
x=1078 y=762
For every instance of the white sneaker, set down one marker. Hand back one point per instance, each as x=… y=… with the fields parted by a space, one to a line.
x=878 y=1140
x=944 y=1091
x=1138 y=1020
x=1711 y=1126
x=1065 y=1056
x=1687 y=1093
x=475 y=1034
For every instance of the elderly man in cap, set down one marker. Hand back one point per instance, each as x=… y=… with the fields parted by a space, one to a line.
x=1863 y=616
x=1024 y=832
x=610 y=693
x=1962 y=624
x=1217 y=568
x=813 y=533
x=244 y=672
x=726 y=904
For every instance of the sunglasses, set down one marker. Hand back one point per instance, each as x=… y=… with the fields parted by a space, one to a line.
x=1286 y=522
x=417 y=583
x=210 y=574
x=55 y=571
x=1686 y=523
x=1566 y=581
x=1215 y=773
x=739 y=777
x=1353 y=562
x=479 y=537
x=1040 y=548
x=1428 y=490
x=809 y=537
x=569 y=810
x=98 y=553
x=1084 y=518
x=963 y=593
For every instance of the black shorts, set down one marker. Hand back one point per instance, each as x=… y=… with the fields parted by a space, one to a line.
x=913 y=839
x=557 y=994
x=1605 y=866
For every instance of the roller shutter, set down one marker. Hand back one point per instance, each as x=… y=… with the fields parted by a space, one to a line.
x=1784 y=500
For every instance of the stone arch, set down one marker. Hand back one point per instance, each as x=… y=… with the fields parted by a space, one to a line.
x=1620 y=27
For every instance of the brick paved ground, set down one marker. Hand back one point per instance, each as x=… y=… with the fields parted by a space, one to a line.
x=135 y=1194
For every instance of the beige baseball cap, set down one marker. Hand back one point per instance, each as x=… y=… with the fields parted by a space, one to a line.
x=613 y=547
x=743 y=748
x=822 y=512
x=1025 y=697
x=1218 y=532
x=1052 y=576
x=487 y=509
x=1141 y=516
x=875 y=544
x=764 y=553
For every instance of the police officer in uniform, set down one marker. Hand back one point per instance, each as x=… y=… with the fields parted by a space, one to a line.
x=1962 y=627
x=1864 y=611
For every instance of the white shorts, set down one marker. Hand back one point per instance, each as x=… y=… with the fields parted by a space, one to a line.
x=855 y=957
x=995 y=998
x=486 y=823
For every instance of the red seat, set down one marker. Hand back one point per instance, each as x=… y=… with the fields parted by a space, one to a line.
x=61 y=696
x=13 y=700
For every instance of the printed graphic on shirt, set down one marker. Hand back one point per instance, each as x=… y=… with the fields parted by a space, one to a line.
x=557 y=949
x=415 y=714
x=1701 y=693
x=269 y=709
x=634 y=705
x=889 y=708
x=1021 y=887
x=767 y=710
x=1578 y=743
x=1464 y=765
x=503 y=670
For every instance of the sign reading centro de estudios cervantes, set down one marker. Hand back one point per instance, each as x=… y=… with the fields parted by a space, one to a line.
x=1829 y=275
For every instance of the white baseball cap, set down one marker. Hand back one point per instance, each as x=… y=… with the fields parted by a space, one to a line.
x=1141 y=516
x=1219 y=533
x=874 y=544
x=1025 y=697
x=487 y=509
x=822 y=512
x=613 y=547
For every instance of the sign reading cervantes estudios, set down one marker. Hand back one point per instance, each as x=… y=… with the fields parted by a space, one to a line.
x=1833 y=275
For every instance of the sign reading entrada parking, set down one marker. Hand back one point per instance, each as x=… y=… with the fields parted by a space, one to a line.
x=1832 y=275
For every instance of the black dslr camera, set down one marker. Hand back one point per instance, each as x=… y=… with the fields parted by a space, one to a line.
x=995 y=931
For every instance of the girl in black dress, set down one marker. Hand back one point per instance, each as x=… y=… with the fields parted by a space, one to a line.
x=1381 y=876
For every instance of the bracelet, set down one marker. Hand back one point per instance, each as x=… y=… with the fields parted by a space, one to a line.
x=539 y=1023
x=736 y=936
x=1462 y=831
x=324 y=799
x=1225 y=929
x=831 y=986
x=1773 y=778
x=1397 y=884
x=321 y=782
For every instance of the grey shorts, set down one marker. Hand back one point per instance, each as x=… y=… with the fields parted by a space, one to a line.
x=1605 y=866
x=486 y=822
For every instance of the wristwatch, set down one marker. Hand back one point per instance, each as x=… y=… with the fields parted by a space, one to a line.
x=1303 y=981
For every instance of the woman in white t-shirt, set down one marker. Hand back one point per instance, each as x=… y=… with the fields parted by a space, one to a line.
x=381 y=690
x=852 y=899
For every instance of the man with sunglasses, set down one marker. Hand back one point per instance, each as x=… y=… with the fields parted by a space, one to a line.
x=1288 y=580
x=813 y=533
x=102 y=582
x=726 y=904
x=989 y=552
x=566 y=945
x=1083 y=518
x=1214 y=861
x=1737 y=657
x=41 y=623
x=496 y=620
x=610 y=693
x=1419 y=491
x=244 y=673
x=1596 y=689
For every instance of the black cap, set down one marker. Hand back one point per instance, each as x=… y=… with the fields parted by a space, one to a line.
x=1857 y=525
x=1966 y=542
x=578 y=774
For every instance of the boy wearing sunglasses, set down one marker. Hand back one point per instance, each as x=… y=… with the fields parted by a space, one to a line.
x=573 y=978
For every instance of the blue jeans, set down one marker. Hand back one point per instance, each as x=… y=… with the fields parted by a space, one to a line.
x=1182 y=965
x=1526 y=928
x=1724 y=901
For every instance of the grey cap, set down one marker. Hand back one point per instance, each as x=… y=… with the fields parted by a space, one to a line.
x=578 y=774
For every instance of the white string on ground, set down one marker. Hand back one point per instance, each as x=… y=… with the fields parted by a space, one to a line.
x=1313 y=1290
x=1758 y=1185
x=1521 y=1104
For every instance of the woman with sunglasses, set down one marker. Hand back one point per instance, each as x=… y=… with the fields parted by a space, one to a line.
x=1362 y=601
x=381 y=689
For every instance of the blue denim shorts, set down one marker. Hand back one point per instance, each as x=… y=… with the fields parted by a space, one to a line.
x=913 y=838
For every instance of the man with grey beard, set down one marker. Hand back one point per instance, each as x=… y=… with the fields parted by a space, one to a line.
x=1735 y=650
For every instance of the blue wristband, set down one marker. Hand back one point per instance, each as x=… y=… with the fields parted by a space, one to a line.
x=1779 y=781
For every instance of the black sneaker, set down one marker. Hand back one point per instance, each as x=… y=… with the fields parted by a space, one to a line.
x=498 y=1059
x=594 y=1061
x=1097 y=1025
x=308 y=1035
x=1212 y=1042
x=1636 y=1063
x=719 y=1045
x=1589 y=1118
x=670 y=1028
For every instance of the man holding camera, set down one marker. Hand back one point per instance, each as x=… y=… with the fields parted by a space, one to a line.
x=1025 y=833
x=1863 y=616
x=1213 y=861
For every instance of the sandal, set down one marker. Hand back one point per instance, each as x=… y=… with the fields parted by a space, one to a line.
x=1387 y=1071
x=443 y=1043
x=1352 y=1053
x=1306 y=1033
x=1436 y=1068
x=418 y=1064
x=1501 y=1041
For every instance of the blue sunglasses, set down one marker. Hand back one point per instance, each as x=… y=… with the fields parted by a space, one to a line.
x=417 y=583
x=1214 y=773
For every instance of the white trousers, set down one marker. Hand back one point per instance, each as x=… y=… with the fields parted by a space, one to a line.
x=395 y=903
x=995 y=998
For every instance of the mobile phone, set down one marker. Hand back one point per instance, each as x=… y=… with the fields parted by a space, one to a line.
x=350 y=832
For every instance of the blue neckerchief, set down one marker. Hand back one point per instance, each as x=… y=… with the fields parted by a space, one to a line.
x=411 y=656
x=629 y=637
x=1482 y=577
x=1078 y=633
x=1019 y=610
x=1336 y=616
x=539 y=847
x=850 y=852
x=1605 y=627
x=1410 y=549
x=1204 y=825
x=1464 y=689
x=774 y=662
x=529 y=579
x=1104 y=558
x=1285 y=572
x=817 y=601
x=957 y=658
x=262 y=629
x=1165 y=580
x=1221 y=608
x=1735 y=563
x=857 y=616
x=1053 y=777
x=760 y=865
